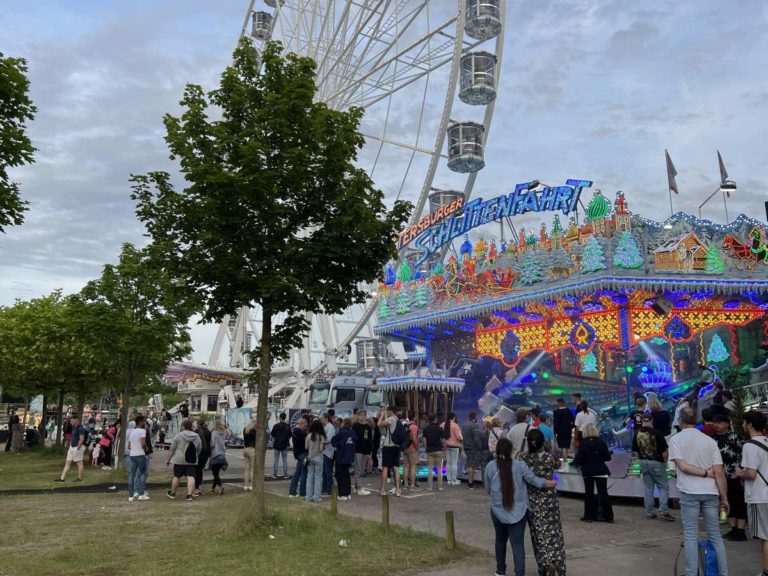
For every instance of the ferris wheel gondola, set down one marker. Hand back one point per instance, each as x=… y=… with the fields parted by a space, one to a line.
x=394 y=58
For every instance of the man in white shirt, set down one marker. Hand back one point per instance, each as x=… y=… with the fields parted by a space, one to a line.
x=754 y=471
x=137 y=460
x=518 y=434
x=702 y=488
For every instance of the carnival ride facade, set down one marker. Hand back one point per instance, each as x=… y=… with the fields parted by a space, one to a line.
x=615 y=305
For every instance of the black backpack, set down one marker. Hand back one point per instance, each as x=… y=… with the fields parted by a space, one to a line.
x=401 y=437
x=190 y=453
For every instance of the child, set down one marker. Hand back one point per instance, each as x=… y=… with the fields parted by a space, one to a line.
x=95 y=454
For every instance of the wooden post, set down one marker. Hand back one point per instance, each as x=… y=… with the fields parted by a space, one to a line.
x=385 y=511
x=334 y=500
x=450 y=533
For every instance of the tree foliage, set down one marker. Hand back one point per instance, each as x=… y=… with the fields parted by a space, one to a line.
x=141 y=318
x=16 y=109
x=275 y=213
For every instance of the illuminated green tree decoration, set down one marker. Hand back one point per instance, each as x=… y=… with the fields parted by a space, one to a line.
x=589 y=362
x=530 y=272
x=599 y=207
x=405 y=274
x=593 y=258
x=717 y=350
x=403 y=303
x=383 y=309
x=420 y=296
x=714 y=263
x=627 y=253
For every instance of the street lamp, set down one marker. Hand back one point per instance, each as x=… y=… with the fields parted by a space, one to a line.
x=726 y=187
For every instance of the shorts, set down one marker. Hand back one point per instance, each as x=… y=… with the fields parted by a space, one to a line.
x=474 y=459
x=390 y=457
x=76 y=454
x=564 y=441
x=187 y=470
x=757 y=519
x=411 y=457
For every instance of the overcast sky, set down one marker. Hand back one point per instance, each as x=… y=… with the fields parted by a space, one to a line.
x=589 y=89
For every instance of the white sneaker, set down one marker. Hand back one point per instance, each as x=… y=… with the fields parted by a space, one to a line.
x=393 y=491
x=363 y=492
x=130 y=498
x=143 y=498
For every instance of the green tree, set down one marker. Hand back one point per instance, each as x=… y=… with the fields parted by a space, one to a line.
x=714 y=263
x=16 y=109
x=275 y=214
x=530 y=270
x=141 y=317
x=47 y=346
x=593 y=258
x=627 y=253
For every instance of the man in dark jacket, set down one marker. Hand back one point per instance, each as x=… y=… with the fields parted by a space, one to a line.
x=473 y=447
x=299 y=478
x=205 y=453
x=562 y=422
x=281 y=439
x=363 y=447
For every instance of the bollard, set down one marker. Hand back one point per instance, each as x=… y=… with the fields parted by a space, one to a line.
x=385 y=511
x=450 y=533
x=334 y=500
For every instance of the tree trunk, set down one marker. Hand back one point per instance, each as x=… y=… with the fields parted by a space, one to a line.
x=60 y=416
x=265 y=370
x=81 y=398
x=44 y=418
x=119 y=450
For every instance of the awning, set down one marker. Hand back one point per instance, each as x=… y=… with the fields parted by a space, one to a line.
x=421 y=383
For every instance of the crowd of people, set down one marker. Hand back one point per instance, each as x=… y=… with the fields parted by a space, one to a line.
x=718 y=470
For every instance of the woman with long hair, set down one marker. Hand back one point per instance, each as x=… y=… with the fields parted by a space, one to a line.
x=218 y=456
x=249 y=454
x=591 y=458
x=315 y=446
x=544 y=519
x=506 y=480
x=453 y=442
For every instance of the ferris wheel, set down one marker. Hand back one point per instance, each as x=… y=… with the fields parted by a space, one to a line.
x=426 y=73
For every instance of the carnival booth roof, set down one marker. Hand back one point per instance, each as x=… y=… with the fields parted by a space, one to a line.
x=422 y=378
x=577 y=284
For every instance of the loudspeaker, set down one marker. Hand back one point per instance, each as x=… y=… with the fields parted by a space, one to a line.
x=766 y=211
x=662 y=306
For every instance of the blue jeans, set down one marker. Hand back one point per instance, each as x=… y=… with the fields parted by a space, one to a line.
x=453 y=464
x=137 y=473
x=277 y=454
x=655 y=475
x=708 y=506
x=299 y=478
x=515 y=533
x=315 y=478
x=327 y=474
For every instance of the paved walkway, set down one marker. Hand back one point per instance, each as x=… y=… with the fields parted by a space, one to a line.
x=632 y=546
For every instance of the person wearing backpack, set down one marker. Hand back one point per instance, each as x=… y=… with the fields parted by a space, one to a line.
x=184 y=454
x=754 y=471
x=344 y=443
x=205 y=453
x=474 y=442
x=392 y=434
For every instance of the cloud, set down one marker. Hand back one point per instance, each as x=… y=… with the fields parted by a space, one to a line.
x=588 y=89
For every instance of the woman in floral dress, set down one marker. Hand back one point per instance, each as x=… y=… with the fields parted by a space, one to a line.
x=544 y=519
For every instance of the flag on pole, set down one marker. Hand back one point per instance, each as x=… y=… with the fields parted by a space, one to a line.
x=671 y=173
x=723 y=171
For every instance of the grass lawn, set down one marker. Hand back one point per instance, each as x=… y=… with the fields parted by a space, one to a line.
x=84 y=534
x=37 y=469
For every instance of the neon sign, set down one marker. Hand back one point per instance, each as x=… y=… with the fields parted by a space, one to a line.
x=437 y=229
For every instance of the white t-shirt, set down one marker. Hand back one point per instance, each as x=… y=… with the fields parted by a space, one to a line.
x=584 y=418
x=390 y=423
x=697 y=449
x=755 y=458
x=134 y=441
